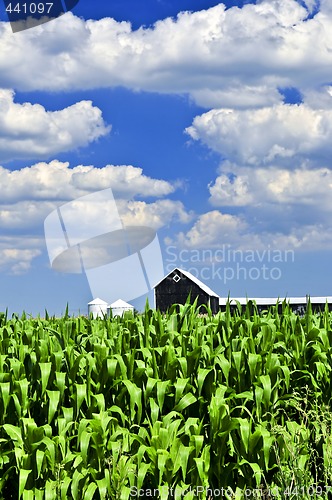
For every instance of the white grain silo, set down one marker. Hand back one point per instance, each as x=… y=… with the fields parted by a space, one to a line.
x=98 y=308
x=119 y=307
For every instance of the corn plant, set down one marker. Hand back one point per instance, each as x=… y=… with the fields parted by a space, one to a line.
x=103 y=408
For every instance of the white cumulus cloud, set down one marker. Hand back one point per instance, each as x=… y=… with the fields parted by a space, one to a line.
x=244 y=186
x=280 y=133
x=17 y=255
x=217 y=230
x=30 y=194
x=56 y=180
x=156 y=215
x=29 y=130
x=228 y=57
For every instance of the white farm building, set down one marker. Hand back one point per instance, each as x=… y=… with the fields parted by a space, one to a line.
x=100 y=309
x=119 y=307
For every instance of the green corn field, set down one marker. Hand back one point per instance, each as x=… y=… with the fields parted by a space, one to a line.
x=178 y=405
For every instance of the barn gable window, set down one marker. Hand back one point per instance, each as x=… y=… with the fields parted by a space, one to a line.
x=176 y=278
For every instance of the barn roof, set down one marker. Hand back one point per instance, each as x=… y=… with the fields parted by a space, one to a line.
x=193 y=278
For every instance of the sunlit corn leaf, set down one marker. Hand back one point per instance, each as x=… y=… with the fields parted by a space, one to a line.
x=187 y=400
x=65 y=485
x=161 y=392
x=135 y=394
x=23 y=477
x=5 y=395
x=180 y=385
x=15 y=433
x=45 y=371
x=88 y=494
x=53 y=404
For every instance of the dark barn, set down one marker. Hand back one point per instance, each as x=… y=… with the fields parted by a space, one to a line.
x=177 y=285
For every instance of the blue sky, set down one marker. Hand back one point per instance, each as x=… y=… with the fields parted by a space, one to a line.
x=212 y=126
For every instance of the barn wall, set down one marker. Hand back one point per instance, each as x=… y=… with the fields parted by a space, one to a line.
x=297 y=308
x=321 y=307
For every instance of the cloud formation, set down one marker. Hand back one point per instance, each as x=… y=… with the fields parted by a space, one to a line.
x=30 y=194
x=236 y=61
x=56 y=180
x=156 y=215
x=30 y=131
x=284 y=134
x=16 y=256
x=208 y=54
x=244 y=186
x=215 y=229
